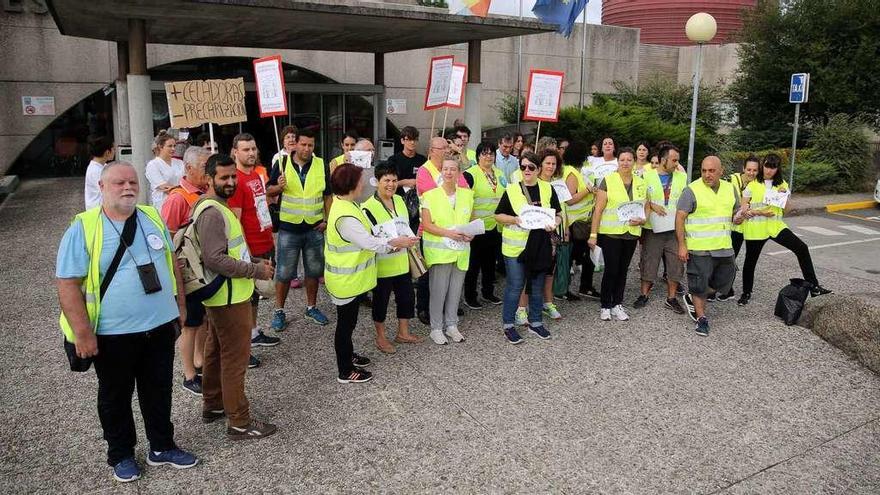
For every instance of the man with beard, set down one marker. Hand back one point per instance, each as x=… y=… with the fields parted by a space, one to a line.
x=117 y=283
x=227 y=348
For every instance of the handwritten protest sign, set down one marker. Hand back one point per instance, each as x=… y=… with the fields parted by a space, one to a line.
x=544 y=95
x=439 y=79
x=193 y=103
x=269 y=77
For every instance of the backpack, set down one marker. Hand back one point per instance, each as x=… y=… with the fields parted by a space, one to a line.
x=197 y=283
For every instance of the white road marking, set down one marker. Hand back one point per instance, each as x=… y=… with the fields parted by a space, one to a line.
x=860 y=229
x=822 y=231
x=823 y=246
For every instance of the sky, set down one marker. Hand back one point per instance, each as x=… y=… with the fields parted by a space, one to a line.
x=511 y=7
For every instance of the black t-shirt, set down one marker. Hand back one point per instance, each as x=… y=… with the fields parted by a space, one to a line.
x=302 y=171
x=406 y=167
x=504 y=207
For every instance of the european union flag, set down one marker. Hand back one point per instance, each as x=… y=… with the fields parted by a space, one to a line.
x=564 y=13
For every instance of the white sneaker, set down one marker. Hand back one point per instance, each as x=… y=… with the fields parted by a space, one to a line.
x=454 y=334
x=438 y=337
x=619 y=313
x=605 y=314
x=522 y=316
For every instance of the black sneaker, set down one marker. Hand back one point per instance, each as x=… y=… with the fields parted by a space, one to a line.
x=366 y=300
x=492 y=299
x=702 y=328
x=725 y=297
x=540 y=331
x=254 y=430
x=713 y=297
x=359 y=360
x=569 y=296
x=689 y=305
x=818 y=290
x=198 y=371
x=211 y=416
x=425 y=318
x=679 y=291
x=357 y=375
x=253 y=362
x=263 y=340
x=193 y=386
x=473 y=303
x=674 y=305
x=641 y=301
x=744 y=298
x=512 y=335
x=590 y=293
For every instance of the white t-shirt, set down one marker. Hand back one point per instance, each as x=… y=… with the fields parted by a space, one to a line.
x=160 y=172
x=92 y=189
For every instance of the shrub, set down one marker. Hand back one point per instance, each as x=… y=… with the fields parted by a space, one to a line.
x=672 y=102
x=842 y=142
x=815 y=176
x=734 y=160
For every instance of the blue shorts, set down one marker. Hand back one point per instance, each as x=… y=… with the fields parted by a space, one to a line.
x=287 y=253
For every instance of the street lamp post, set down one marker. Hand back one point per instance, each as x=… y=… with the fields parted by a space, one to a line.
x=700 y=28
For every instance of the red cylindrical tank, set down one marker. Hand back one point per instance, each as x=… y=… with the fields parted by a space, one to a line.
x=662 y=22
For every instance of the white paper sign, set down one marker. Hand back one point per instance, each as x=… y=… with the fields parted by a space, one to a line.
x=395 y=106
x=363 y=159
x=535 y=217
x=631 y=210
x=561 y=189
x=385 y=230
x=271 y=96
x=601 y=171
x=403 y=228
x=456 y=86
x=663 y=223
x=476 y=227
x=544 y=94
x=38 y=105
x=455 y=245
x=776 y=198
x=439 y=77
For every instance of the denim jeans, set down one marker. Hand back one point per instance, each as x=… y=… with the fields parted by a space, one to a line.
x=516 y=274
x=287 y=252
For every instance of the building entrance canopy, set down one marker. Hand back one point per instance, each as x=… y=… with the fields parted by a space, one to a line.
x=333 y=25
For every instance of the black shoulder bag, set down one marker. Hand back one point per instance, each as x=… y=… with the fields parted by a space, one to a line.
x=83 y=364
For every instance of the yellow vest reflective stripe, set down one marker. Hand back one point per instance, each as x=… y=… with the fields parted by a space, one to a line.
x=514 y=237
x=581 y=210
x=617 y=195
x=707 y=228
x=758 y=228
x=442 y=214
x=348 y=270
x=655 y=191
x=303 y=202
x=234 y=290
x=485 y=199
x=396 y=263
x=93 y=233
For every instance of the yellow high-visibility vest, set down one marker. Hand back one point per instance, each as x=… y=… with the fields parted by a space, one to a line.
x=758 y=228
x=485 y=198
x=348 y=270
x=609 y=223
x=303 y=202
x=396 y=263
x=514 y=237
x=234 y=290
x=443 y=215
x=656 y=194
x=707 y=228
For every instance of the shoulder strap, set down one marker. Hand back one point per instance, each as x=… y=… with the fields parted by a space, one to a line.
x=126 y=239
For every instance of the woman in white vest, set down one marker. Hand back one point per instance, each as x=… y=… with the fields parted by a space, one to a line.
x=387 y=212
x=446 y=249
x=350 y=265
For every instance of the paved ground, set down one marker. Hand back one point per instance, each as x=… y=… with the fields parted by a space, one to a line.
x=644 y=406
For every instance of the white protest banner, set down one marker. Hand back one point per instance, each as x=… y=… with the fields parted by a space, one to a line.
x=363 y=159
x=535 y=217
x=631 y=210
x=439 y=77
x=600 y=171
x=269 y=77
x=544 y=95
x=193 y=103
x=561 y=189
x=456 y=86
x=663 y=223
x=776 y=198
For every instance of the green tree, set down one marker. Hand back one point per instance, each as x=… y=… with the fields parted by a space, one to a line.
x=836 y=41
x=672 y=102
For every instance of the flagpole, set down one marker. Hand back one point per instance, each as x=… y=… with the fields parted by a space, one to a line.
x=583 y=60
x=519 y=75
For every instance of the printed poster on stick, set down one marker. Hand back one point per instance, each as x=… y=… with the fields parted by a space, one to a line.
x=544 y=95
x=271 y=96
x=456 y=86
x=439 y=79
x=193 y=103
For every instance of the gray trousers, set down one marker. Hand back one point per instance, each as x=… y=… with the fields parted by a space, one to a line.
x=446 y=282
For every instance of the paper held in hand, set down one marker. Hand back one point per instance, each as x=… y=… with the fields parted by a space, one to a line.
x=631 y=210
x=776 y=198
x=476 y=227
x=663 y=223
x=561 y=189
x=535 y=217
x=386 y=230
x=455 y=245
x=363 y=159
x=600 y=171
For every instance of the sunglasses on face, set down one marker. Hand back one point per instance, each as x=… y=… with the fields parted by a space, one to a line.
x=529 y=166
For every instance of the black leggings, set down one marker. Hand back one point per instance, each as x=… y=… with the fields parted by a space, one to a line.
x=580 y=252
x=346 y=320
x=786 y=239
x=617 y=253
x=402 y=288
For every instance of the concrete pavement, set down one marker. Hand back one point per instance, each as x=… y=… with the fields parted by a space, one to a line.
x=643 y=406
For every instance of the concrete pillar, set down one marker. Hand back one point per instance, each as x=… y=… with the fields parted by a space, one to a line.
x=472 y=94
x=379 y=109
x=121 y=118
x=140 y=102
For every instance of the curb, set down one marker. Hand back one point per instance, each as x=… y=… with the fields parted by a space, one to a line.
x=856 y=205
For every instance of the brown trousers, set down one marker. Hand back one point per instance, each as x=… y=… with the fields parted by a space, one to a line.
x=227 y=350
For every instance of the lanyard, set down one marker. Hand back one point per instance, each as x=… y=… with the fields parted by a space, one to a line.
x=122 y=240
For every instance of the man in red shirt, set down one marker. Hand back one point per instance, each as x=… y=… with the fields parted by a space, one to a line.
x=249 y=203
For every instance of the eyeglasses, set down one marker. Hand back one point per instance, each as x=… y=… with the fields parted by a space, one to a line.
x=532 y=167
x=487 y=153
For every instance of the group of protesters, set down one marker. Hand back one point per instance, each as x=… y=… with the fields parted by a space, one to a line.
x=434 y=231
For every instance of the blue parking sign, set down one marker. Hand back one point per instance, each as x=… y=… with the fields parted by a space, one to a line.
x=800 y=88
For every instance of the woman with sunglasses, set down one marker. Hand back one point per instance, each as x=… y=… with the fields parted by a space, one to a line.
x=764 y=222
x=617 y=239
x=527 y=253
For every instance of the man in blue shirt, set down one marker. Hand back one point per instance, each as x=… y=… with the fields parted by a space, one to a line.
x=504 y=158
x=131 y=338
